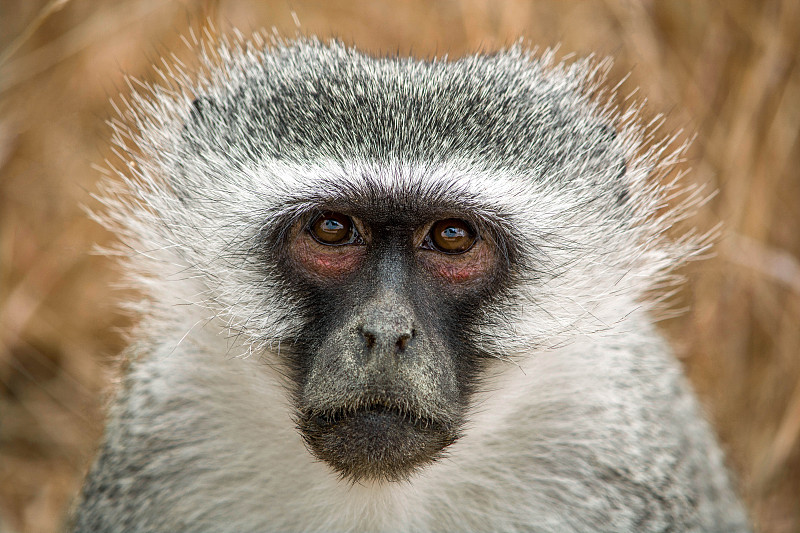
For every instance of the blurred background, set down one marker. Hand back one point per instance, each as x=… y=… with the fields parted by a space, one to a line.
x=724 y=72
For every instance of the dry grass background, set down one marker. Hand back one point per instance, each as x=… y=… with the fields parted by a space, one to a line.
x=725 y=71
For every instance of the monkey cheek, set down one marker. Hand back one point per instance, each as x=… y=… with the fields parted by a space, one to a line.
x=375 y=444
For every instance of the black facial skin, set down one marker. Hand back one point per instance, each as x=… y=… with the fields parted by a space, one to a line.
x=384 y=366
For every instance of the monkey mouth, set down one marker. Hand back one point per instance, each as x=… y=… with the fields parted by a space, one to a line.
x=381 y=441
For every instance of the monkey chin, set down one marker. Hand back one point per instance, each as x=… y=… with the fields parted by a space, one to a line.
x=375 y=442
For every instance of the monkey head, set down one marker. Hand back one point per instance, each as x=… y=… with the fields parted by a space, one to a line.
x=382 y=230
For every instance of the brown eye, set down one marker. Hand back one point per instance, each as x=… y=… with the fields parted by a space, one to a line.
x=451 y=236
x=333 y=229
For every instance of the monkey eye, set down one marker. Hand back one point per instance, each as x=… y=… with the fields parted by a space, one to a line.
x=450 y=236
x=333 y=229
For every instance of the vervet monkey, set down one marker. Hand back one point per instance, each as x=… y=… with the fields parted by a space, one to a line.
x=390 y=294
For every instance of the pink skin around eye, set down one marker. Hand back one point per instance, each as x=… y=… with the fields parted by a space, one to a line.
x=458 y=274
x=460 y=268
x=327 y=261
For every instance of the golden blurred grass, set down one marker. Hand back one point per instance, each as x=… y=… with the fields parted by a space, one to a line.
x=724 y=71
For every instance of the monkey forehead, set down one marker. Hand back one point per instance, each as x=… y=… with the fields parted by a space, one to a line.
x=418 y=192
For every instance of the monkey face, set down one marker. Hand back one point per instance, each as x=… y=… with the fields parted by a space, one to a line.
x=384 y=364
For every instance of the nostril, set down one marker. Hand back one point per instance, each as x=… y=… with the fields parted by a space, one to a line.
x=370 y=338
x=402 y=341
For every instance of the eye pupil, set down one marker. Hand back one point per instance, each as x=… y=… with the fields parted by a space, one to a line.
x=332 y=229
x=452 y=236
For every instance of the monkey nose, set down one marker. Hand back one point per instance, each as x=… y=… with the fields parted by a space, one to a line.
x=384 y=330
